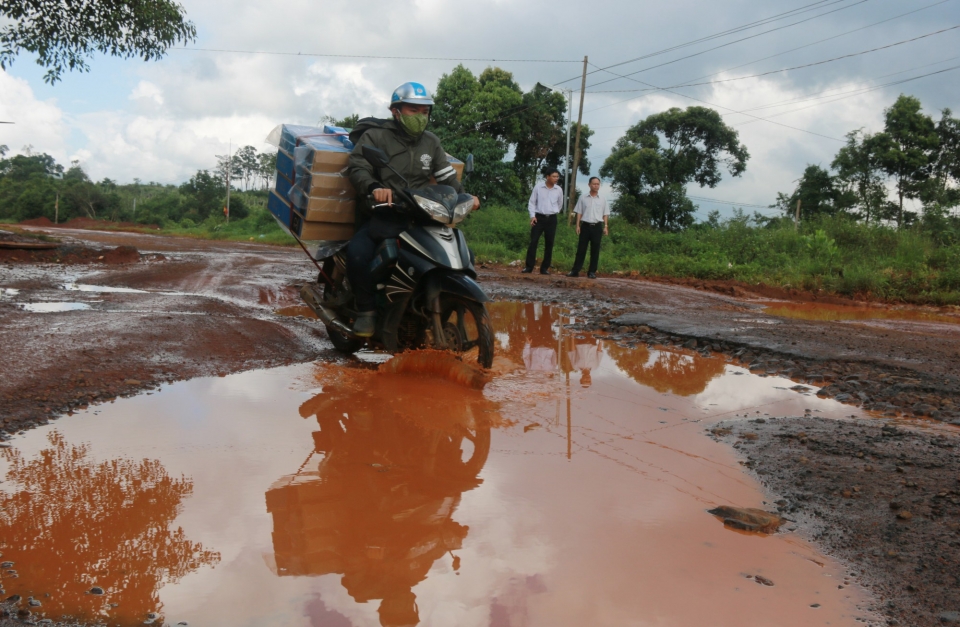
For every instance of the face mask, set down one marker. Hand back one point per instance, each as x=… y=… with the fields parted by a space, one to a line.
x=414 y=124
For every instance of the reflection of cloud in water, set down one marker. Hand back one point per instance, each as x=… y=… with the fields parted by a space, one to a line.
x=671 y=371
x=72 y=523
x=732 y=392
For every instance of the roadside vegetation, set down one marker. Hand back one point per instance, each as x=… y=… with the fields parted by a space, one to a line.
x=845 y=230
x=836 y=254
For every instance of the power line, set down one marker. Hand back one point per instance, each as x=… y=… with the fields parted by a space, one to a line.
x=819 y=41
x=822 y=94
x=369 y=56
x=667 y=89
x=863 y=91
x=689 y=56
x=798 y=67
x=731 y=31
x=728 y=202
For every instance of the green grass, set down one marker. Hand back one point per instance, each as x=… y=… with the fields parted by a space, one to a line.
x=835 y=255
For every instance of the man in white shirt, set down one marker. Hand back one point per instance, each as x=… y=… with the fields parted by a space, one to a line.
x=545 y=203
x=592 y=214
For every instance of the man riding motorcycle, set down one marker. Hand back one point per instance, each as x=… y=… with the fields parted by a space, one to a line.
x=415 y=154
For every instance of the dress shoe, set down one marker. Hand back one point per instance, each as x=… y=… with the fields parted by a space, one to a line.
x=574 y=275
x=544 y=272
x=591 y=275
x=527 y=270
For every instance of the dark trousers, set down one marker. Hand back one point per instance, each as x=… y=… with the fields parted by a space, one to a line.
x=590 y=233
x=546 y=225
x=360 y=252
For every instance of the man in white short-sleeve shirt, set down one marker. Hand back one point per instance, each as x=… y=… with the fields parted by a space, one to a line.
x=592 y=214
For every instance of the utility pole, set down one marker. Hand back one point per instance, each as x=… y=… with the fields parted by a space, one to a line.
x=796 y=217
x=576 y=148
x=566 y=161
x=134 y=208
x=56 y=210
x=229 y=165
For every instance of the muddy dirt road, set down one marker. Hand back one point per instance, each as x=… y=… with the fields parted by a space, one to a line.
x=80 y=331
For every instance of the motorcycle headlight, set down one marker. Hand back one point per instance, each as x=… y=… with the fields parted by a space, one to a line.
x=436 y=210
x=462 y=210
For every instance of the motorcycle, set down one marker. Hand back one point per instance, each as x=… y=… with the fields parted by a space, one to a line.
x=426 y=289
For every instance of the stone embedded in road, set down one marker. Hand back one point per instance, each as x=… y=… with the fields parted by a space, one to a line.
x=747 y=518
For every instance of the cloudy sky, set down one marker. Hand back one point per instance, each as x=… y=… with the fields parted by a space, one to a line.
x=162 y=121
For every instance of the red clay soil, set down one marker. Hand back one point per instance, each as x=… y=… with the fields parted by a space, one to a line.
x=71 y=254
x=87 y=223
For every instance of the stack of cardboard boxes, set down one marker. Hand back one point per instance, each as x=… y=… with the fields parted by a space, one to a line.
x=313 y=197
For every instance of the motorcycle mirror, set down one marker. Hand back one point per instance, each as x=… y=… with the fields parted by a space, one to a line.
x=468 y=167
x=375 y=156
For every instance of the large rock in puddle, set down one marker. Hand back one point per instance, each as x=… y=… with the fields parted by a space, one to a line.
x=747 y=518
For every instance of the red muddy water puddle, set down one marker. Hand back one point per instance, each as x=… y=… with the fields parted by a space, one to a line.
x=829 y=313
x=296 y=310
x=571 y=490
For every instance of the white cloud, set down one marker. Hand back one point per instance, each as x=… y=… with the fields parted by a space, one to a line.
x=145 y=90
x=37 y=123
x=164 y=120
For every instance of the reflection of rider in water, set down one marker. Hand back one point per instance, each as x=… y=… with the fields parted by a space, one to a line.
x=378 y=508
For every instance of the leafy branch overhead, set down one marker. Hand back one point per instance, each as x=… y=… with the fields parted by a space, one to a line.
x=64 y=34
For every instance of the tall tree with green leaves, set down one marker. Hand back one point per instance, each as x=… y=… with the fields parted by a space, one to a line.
x=817 y=193
x=656 y=159
x=543 y=134
x=943 y=188
x=64 y=35
x=476 y=115
x=859 y=175
x=907 y=148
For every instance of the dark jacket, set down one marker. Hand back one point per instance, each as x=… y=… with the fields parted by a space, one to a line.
x=417 y=159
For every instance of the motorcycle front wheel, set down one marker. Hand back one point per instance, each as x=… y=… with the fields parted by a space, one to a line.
x=467 y=329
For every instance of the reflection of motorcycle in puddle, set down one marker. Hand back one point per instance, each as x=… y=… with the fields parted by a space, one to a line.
x=378 y=508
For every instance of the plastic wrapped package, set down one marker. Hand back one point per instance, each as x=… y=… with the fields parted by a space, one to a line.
x=319 y=209
x=325 y=185
x=285 y=165
x=320 y=156
x=321 y=239
x=289 y=136
x=319 y=231
x=279 y=206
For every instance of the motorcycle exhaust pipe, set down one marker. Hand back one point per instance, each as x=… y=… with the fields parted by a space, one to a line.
x=310 y=293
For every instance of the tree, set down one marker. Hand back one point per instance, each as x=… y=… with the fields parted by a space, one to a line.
x=64 y=34
x=347 y=122
x=475 y=116
x=203 y=195
x=651 y=165
x=817 y=192
x=859 y=175
x=942 y=191
x=267 y=167
x=906 y=148
x=246 y=164
x=559 y=151
x=542 y=119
